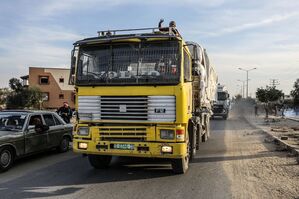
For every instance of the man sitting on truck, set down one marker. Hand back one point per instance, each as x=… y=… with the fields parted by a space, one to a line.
x=170 y=29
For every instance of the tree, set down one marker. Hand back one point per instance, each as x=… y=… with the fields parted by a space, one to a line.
x=269 y=95
x=34 y=97
x=23 y=97
x=3 y=96
x=261 y=95
x=295 y=93
x=15 y=85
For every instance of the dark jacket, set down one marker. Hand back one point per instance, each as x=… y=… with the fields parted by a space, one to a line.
x=65 y=113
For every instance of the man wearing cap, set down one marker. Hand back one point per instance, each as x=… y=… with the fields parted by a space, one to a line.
x=65 y=112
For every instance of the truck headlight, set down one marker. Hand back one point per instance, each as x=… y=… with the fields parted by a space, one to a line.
x=83 y=131
x=167 y=134
x=82 y=145
x=166 y=149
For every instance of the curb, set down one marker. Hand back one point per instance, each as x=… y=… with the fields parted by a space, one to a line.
x=285 y=145
x=293 y=119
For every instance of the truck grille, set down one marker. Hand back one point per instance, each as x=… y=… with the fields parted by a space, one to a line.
x=136 y=108
x=124 y=108
x=123 y=134
x=218 y=108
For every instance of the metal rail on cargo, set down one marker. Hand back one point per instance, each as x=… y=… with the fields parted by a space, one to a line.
x=155 y=29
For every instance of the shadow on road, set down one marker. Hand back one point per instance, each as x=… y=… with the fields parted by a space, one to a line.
x=229 y=158
x=69 y=176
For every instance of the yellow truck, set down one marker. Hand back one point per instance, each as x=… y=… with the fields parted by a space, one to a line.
x=139 y=93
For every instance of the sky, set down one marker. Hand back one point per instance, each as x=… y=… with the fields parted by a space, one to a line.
x=262 y=34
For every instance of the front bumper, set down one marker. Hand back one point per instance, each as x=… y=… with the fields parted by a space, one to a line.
x=140 y=149
x=219 y=114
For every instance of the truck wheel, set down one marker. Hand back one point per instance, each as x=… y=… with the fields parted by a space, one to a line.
x=192 y=133
x=208 y=129
x=225 y=117
x=100 y=161
x=181 y=165
x=6 y=158
x=198 y=136
x=204 y=137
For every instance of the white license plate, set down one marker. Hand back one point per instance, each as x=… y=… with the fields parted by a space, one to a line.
x=124 y=146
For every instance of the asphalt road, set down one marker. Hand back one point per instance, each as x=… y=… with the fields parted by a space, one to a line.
x=211 y=174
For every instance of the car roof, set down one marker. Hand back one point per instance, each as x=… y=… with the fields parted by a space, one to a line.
x=25 y=111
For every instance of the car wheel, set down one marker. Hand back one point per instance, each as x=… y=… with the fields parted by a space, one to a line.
x=6 y=158
x=64 y=145
x=99 y=161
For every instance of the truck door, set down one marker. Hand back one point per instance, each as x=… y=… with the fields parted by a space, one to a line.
x=35 y=139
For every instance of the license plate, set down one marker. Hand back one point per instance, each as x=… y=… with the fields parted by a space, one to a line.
x=124 y=146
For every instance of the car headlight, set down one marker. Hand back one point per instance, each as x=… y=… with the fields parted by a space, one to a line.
x=167 y=134
x=83 y=131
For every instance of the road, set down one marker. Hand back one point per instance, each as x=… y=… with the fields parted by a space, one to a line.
x=234 y=163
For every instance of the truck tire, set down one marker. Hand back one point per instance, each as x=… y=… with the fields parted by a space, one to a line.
x=192 y=133
x=6 y=158
x=208 y=128
x=204 y=137
x=225 y=117
x=99 y=161
x=198 y=136
x=181 y=165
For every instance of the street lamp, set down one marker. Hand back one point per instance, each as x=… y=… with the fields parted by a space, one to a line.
x=247 y=70
x=241 y=89
x=243 y=86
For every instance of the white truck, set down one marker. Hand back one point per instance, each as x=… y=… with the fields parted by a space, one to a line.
x=222 y=104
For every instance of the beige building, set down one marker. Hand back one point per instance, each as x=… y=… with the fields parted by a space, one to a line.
x=54 y=83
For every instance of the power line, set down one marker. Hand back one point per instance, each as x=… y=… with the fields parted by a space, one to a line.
x=274 y=82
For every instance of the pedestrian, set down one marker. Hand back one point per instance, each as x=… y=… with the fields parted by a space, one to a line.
x=65 y=112
x=256 y=110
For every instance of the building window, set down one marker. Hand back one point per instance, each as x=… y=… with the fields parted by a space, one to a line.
x=61 y=96
x=61 y=80
x=45 y=96
x=43 y=80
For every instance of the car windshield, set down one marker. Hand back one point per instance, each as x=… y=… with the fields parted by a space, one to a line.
x=222 y=96
x=129 y=63
x=12 y=121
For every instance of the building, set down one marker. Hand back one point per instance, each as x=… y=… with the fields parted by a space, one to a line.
x=54 y=84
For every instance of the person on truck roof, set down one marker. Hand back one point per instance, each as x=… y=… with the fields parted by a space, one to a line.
x=170 y=29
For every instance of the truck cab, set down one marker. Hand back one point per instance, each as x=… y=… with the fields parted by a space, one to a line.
x=221 y=106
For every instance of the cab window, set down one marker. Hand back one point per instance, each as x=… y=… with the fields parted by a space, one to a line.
x=187 y=67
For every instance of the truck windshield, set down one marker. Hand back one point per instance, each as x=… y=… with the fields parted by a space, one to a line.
x=222 y=95
x=129 y=64
x=11 y=122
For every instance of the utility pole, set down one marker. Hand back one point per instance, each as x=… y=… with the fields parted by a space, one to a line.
x=274 y=82
x=247 y=70
x=243 y=87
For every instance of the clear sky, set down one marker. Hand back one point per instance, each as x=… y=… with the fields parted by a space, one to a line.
x=236 y=33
